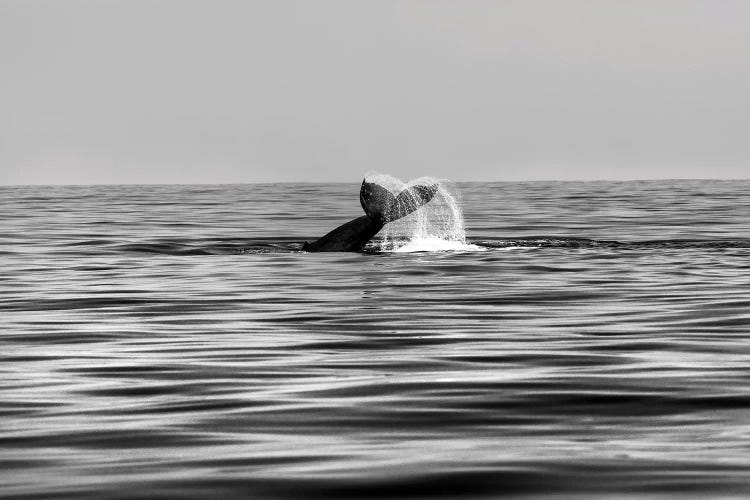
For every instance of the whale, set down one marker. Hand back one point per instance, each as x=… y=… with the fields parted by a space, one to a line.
x=381 y=206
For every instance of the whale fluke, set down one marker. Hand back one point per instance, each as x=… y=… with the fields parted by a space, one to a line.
x=381 y=207
x=409 y=200
x=376 y=200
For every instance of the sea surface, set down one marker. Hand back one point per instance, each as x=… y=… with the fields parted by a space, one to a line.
x=174 y=342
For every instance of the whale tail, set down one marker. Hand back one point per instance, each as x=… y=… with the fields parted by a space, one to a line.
x=381 y=207
x=380 y=204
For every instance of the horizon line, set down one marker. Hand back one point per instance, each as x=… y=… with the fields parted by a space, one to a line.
x=654 y=179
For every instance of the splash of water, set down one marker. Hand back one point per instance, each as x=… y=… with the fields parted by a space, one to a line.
x=436 y=226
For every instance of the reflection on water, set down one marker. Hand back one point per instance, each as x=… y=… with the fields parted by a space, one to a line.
x=170 y=341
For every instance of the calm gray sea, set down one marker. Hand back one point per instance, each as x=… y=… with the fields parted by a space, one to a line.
x=172 y=342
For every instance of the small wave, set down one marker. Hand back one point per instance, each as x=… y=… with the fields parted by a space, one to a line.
x=188 y=247
x=542 y=242
x=164 y=248
x=231 y=245
x=585 y=243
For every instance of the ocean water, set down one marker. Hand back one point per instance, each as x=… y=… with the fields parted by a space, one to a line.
x=173 y=342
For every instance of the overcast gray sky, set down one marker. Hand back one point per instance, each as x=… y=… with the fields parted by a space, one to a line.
x=186 y=91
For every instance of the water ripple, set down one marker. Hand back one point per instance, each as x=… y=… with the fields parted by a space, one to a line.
x=173 y=341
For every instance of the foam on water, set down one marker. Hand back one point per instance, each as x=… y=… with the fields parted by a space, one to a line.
x=437 y=226
x=433 y=244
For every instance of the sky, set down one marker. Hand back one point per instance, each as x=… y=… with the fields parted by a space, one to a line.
x=220 y=91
